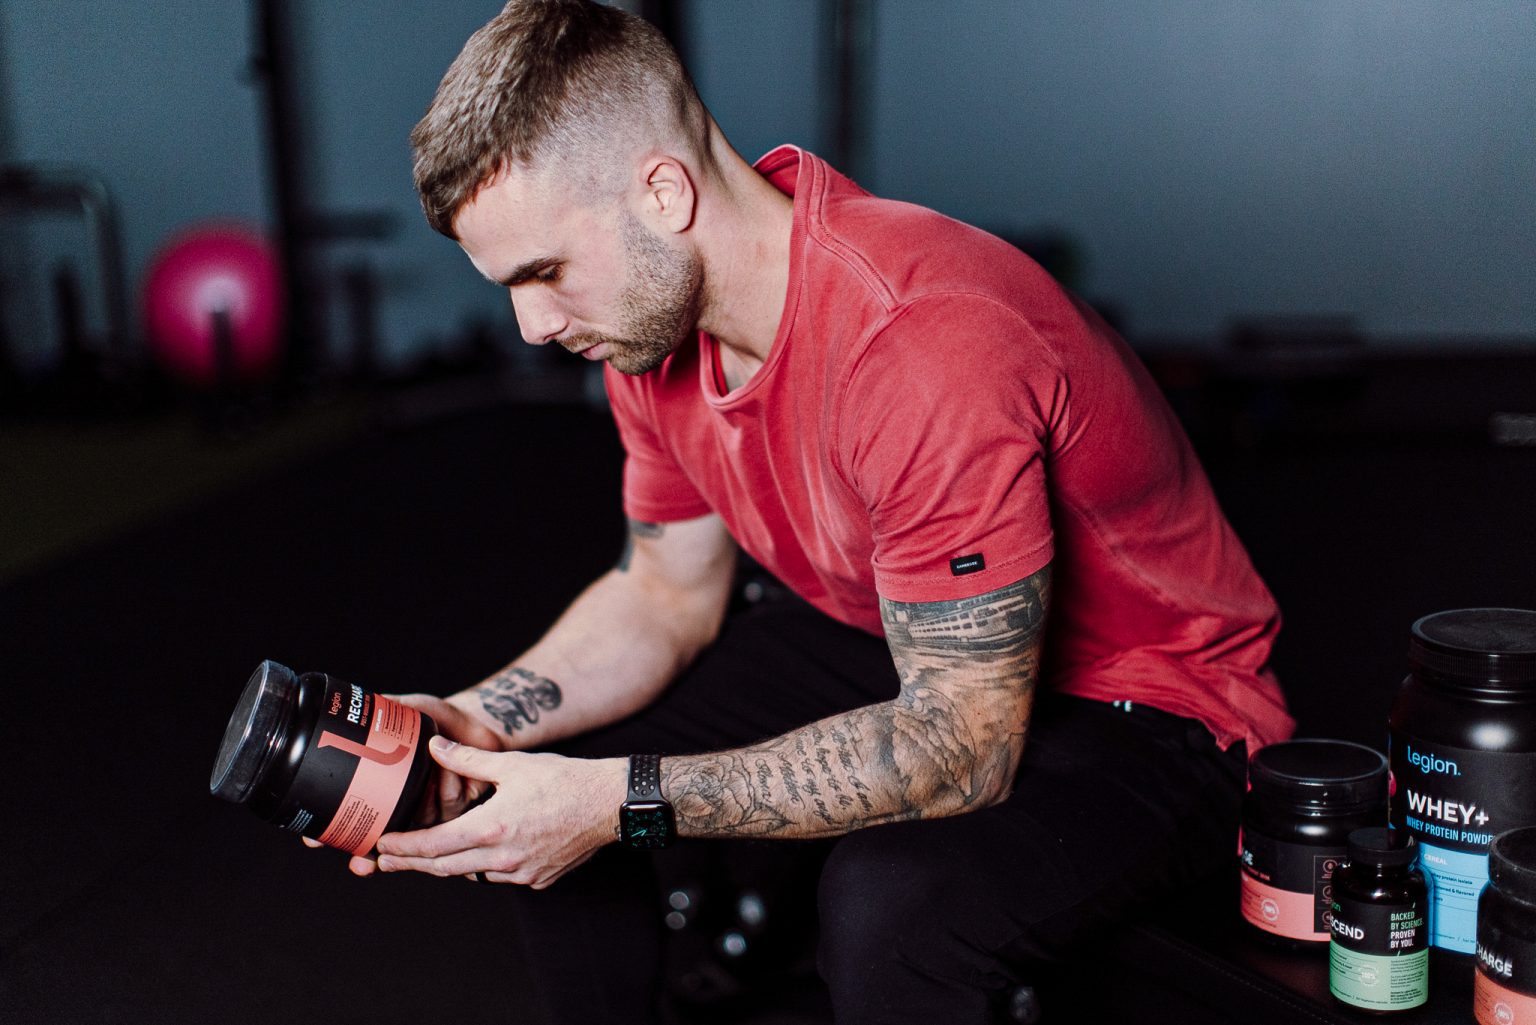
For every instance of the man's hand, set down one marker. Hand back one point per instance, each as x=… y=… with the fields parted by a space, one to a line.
x=448 y=795
x=548 y=815
x=609 y=655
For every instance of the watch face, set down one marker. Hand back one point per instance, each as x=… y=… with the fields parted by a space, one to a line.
x=646 y=823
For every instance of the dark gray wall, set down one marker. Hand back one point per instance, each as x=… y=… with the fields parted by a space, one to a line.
x=5 y=94
x=150 y=97
x=12 y=244
x=1213 y=158
x=372 y=72
x=759 y=67
x=157 y=99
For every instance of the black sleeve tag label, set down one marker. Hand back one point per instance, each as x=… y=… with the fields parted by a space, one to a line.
x=967 y=564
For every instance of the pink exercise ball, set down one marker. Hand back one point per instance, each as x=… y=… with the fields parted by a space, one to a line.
x=201 y=273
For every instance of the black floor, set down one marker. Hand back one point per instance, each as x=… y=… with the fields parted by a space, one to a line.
x=421 y=559
x=418 y=561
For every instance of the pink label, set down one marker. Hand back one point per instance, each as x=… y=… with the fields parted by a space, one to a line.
x=1281 y=912
x=1493 y=1004
x=383 y=765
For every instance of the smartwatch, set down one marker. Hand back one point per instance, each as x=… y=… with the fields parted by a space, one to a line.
x=645 y=817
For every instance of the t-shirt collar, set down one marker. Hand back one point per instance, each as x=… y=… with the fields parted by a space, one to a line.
x=785 y=168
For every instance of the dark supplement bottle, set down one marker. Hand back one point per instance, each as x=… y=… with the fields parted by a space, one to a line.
x=1504 y=992
x=1304 y=799
x=323 y=758
x=1463 y=752
x=1378 y=958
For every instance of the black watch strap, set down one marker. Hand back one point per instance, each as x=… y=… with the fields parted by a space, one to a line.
x=644 y=778
x=645 y=818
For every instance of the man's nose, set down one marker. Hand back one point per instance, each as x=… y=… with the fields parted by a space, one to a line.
x=538 y=318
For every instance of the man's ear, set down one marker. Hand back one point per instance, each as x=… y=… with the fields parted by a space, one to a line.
x=668 y=198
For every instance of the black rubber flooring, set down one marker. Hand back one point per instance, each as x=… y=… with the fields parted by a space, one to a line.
x=420 y=561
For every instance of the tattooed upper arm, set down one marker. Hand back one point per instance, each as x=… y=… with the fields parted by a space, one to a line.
x=993 y=626
x=968 y=670
x=640 y=529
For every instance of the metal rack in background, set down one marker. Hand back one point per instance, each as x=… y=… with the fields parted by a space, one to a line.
x=31 y=191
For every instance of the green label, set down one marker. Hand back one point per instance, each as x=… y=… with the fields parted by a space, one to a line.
x=1378 y=982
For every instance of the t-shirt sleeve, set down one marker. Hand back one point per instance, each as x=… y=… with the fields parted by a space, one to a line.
x=656 y=490
x=944 y=431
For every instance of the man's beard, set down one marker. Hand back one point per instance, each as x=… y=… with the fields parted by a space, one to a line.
x=659 y=305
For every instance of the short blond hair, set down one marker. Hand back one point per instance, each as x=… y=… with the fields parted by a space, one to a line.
x=545 y=82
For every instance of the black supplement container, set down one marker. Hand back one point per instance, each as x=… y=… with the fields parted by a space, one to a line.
x=1504 y=992
x=1378 y=957
x=1304 y=799
x=1463 y=753
x=323 y=758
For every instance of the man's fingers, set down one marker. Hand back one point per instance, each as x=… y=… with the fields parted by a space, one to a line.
x=428 y=811
x=460 y=834
x=450 y=794
x=459 y=864
x=311 y=843
x=467 y=761
x=360 y=866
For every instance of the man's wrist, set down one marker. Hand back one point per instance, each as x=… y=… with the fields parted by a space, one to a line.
x=467 y=703
x=610 y=785
x=646 y=818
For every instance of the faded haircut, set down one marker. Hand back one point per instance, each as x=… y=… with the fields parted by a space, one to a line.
x=569 y=86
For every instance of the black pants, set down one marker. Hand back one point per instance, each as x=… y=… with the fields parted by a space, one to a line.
x=932 y=921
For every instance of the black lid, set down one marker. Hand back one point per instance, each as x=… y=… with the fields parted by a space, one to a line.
x=1485 y=649
x=1321 y=774
x=1512 y=863
x=1378 y=845
x=257 y=727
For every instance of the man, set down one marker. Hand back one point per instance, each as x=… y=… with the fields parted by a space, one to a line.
x=937 y=450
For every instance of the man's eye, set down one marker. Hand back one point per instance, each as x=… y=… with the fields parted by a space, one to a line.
x=550 y=274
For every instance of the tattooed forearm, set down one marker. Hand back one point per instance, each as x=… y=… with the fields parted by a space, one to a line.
x=722 y=789
x=640 y=529
x=516 y=697
x=949 y=742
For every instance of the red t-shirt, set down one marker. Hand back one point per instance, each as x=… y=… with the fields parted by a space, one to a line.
x=938 y=419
